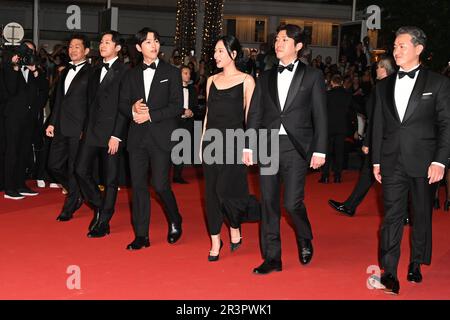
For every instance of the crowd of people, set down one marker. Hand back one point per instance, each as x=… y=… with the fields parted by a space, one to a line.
x=112 y=106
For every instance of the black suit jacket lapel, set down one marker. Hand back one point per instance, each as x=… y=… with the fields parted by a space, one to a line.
x=390 y=87
x=109 y=76
x=159 y=72
x=273 y=87
x=416 y=94
x=76 y=78
x=140 y=82
x=294 y=88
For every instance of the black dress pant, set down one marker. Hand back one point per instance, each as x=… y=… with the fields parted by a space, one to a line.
x=365 y=181
x=292 y=172
x=140 y=158
x=187 y=124
x=335 y=155
x=61 y=165
x=89 y=187
x=396 y=188
x=18 y=150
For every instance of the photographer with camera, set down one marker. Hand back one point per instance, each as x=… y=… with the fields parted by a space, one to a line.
x=26 y=91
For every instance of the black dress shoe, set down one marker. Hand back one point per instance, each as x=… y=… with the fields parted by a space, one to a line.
x=340 y=207
x=337 y=179
x=99 y=231
x=139 y=243
x=180 y=181
x=215 y=257
x=414 y=274
x=13 y=194
x=323 y=179
x=268 y=267
x=64 y=216
x=305 y=251
x=25 y=191
x=94 y=220
x=174 y=233
x=436 y=204
x=390 y=283
x=446 y=205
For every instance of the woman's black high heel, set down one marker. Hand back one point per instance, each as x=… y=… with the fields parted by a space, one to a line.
x=215 y=258
x=446 y=205
x=235 y=246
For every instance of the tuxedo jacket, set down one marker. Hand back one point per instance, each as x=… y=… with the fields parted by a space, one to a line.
x=339 y=103
x=21 y=97
x=104 y=119
x=424 y=134
x=70 y=110
x=304 y=115
x=193 y=104
x=165 y=103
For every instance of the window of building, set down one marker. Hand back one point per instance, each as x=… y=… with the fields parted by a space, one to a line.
x=246 y=29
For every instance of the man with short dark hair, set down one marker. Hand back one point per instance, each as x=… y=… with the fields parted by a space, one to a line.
x=411 y=147
x=67 y=123
x=339 y=103
x=151 y=95
x=290 y=98
x=104 y=135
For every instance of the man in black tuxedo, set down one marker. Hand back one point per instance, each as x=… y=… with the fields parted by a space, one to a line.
x=186 y=120
x=26 y=94
x=104 y=135
x=290 y=98
x=385 y=67
x=339 y=102
x=67 y=123
x=152 y=95
x=411 y=147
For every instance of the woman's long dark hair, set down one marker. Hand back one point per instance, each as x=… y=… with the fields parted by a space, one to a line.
x=231 y=43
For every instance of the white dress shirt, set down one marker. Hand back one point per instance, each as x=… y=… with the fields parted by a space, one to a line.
x=25 y=72
x=104 y=71
x=403 y=90
x=149 y=73
x=284 y=80
x=71 y=75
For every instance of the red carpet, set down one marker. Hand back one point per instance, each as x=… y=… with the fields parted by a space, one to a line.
x=36 y=251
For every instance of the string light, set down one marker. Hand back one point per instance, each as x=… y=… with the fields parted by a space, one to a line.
x=212 y=28
x=185 y=32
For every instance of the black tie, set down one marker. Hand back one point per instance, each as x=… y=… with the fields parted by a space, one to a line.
x=152 y=66
x=185 y=87
x=288 y=67
x=410 y=74
x=74 y=66
x=106 y=66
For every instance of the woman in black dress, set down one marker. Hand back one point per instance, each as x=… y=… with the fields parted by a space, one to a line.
x=226 y=190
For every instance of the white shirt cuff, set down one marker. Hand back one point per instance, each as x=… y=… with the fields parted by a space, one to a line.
x=438 y=164
x=248 y=150
x=376 y=164
x=318 y=154
x=116 y=138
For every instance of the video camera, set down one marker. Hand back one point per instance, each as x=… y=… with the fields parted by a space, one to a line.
x=26 y=55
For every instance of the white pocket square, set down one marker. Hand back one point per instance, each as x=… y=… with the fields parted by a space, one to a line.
x=427 y=93
x=165 y=80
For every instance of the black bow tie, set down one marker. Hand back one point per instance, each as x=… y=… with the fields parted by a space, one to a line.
x=105 y=65
x=185 y=87
x=410 y=74
x=152 y=66
x=74 y=66
x=288 y=67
